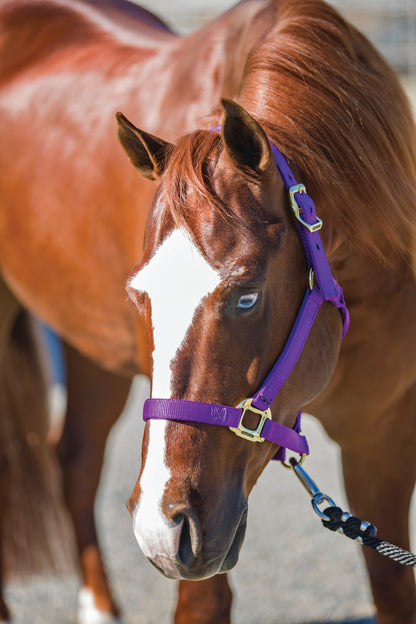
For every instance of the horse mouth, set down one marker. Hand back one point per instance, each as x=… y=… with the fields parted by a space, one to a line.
x=232 y=556
x=217 y=565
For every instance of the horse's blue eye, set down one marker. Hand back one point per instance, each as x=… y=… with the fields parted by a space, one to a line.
x=248 y=301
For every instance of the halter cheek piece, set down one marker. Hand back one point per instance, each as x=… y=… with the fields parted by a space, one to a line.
x=322 y=287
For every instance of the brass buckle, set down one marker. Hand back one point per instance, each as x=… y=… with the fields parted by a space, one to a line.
x=312 y=227
x=254 y=435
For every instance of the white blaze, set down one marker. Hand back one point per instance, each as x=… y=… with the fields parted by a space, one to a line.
x=176 y=279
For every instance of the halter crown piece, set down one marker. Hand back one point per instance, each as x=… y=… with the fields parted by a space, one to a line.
x=322 y=287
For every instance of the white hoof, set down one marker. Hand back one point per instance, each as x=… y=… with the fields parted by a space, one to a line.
x=88 y=612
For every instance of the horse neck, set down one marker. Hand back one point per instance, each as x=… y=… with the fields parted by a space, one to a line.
x=194 y=71
x=233 y=35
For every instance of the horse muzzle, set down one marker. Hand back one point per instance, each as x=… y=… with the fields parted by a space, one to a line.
x=180 y=548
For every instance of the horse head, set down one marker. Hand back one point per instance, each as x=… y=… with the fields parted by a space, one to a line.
x=219 y=287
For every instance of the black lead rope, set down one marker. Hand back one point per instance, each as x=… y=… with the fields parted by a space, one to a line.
x=334 y=519
x=365 y=533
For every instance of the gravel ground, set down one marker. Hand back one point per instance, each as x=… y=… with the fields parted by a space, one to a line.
x=291 y=571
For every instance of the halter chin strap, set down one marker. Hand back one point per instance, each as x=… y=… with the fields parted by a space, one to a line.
x=322 y=287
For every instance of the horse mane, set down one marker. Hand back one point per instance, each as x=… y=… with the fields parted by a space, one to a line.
x=336 y=109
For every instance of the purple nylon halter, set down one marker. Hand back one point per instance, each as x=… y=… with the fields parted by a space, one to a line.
x=325 y=288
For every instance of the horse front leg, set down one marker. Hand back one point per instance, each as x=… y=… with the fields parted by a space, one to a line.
x=95 y=400
x=204 y=602
x=380 y=474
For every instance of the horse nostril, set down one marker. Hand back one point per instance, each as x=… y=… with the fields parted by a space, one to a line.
x=190 y=542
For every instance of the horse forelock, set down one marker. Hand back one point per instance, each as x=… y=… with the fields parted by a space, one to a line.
x=187 y=181
x=333 y=106
x=199 y=187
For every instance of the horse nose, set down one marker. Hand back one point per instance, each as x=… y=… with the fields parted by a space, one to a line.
x=190 y=542
x=172 y=542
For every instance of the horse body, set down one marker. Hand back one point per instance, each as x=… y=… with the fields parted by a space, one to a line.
x=70 y=200
x=95 y=65
x=78 y=210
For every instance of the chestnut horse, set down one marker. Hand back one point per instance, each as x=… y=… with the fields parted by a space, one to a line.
x=223 y=270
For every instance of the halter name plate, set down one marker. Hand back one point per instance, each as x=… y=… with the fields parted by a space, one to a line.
x=322 y=287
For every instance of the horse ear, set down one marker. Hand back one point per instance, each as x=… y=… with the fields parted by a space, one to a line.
x=148 y=153
x=244 y=138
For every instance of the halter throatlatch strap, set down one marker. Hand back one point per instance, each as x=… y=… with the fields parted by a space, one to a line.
x=325 y=288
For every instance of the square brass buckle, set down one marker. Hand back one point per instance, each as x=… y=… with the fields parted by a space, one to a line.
x=254 y=435
x=312 y=227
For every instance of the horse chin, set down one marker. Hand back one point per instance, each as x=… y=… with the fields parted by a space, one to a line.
x=220 y=565
x=173 y=575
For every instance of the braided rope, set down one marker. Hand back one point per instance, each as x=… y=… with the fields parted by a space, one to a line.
x=334 y=519
x=365 y=533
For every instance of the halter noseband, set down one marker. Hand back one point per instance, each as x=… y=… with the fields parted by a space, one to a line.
x=322 y=287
